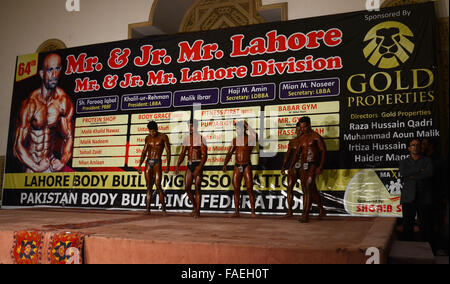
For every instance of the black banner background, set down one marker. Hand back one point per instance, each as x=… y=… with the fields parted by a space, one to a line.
x=393 y=97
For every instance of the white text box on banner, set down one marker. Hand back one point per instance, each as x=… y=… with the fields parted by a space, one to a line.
x=101 y=131
x=228 y=124
x=301 y=109
x=100 y=141
x=98 y=162
x=134 y=161
x=136 y=151
x=101 y=120
x=99 y=152
x=227 y=113
x=165 y=128
x=174 y=139
x=316 y=120
x=282 y=146
x=289 y=133
x=175 y=116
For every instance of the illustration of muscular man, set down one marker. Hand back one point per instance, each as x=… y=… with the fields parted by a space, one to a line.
x=195 y=145
x=155 y=143
x=311 y=154
x=46 y=114
x=293 y=174
x=243 y=146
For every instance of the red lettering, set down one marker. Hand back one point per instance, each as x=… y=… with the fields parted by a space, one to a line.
x=320 y=64
x=188 y=53
x=320 y=130
x=118 y=58
x=237 y=44
x=81 y=64
x=197 y=51
x=258 y=46
x=145 y=58
x=130 y=81
x=300 y=66
x=276 y=42
x=209 y=74
x=279 y=43
x=259 y=68
x=157 y=55
x=334 y=63
x=110 y=82
x=309 y=64
x=297 y=41
x=241 y=72
x=75 y=66
x=85 y=85
x=155 y=78
x=281 y=66
x=25 y=69
x=313 y=38
x=81 y=85
x=333 y=37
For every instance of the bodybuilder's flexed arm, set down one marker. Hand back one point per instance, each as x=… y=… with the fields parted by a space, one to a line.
x=229 y=155
x=67 y=111
x=167 y=147
x=46 y=113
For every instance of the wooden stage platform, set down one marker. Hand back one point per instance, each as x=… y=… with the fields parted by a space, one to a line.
x=131 y=237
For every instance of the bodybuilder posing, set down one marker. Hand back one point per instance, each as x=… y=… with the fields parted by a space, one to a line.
x=243 y=146
x=293 y=174
x=311 y=154
x=195 y=145
x=155 y=143
x=46 y=114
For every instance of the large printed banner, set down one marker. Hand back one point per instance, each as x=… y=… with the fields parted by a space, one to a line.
x=367 y=80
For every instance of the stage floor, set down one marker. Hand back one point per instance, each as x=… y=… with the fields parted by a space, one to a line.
x=131 y=237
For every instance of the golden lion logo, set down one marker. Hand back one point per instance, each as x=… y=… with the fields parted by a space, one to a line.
x=388 y=45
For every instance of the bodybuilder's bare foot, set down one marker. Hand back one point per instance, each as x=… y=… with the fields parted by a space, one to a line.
x=303 y=219
x=322 y=214
x=289 y=214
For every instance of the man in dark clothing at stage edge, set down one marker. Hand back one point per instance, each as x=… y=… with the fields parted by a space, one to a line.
x=416 y=196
